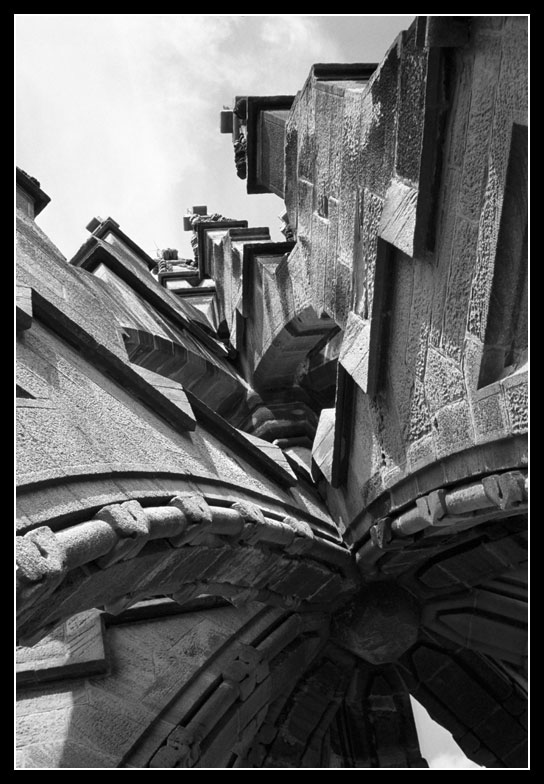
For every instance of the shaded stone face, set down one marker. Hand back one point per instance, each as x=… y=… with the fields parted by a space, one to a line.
x=236 y=458
x=379 y=625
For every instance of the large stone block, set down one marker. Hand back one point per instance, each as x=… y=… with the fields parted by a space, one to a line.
x=444 y=382
x=411 y=108
x=489 y=414
x=421 y=452
x=305 y=199
x=350 y=144
x=371 y=210
x=323 y=446
x=324 y=120
x=396 y=305
x=453 y=429
x=23 y=308
x=379 y=123
x=354 y=352
x=420 y=416
x=319 y=260
x=75 y=649
x=398 y=221
x=460 y=108
x=343 y=289
x=486 y=64
x=329 y=290
x=516 y=394
x=444 y=248
x=461 y=271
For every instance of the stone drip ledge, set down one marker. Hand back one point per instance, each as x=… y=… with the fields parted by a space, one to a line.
x=118 y=533
x=446 y=510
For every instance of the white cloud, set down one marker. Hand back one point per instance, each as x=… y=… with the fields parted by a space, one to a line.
x=452 y=761
x=118 y=114
x=437 y=744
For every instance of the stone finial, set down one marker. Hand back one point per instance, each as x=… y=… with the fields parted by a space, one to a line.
x=195 y=216
x=169 y=254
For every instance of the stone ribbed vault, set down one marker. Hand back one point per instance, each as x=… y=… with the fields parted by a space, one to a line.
x=268 y=493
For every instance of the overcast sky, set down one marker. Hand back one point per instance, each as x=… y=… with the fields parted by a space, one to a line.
x=118 y=115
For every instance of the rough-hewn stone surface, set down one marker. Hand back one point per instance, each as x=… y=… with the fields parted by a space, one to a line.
x=97 y=721
x=338 y=429
x=436 y=299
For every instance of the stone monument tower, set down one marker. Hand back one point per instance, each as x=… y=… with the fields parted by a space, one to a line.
x=267 y=493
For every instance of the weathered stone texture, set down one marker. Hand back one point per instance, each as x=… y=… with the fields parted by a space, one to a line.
x=444 y=245
x=320 y=231
x=490 y=418
x=325 y=121
x=420 y=422
x=456 y=141
x=484 y=84
x=403 y=281
x=76 y=648
x=458 y=293
x=410 y=113
x=349 y=142
x=94 y=723
x=400 y=362
x=451 y=294
x=511 y=97
x=517 y=403
x=444 y=381
x=331 y=261
x=343 y=288
x=398 y=219
x=371 y=210
x=453 y=430
x=95 y=428
x=380 y=123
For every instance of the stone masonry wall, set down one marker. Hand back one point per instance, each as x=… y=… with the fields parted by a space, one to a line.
x=362 y=192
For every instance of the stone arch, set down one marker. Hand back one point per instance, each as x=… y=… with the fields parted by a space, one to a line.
x=195 y=545
x=279 y=359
